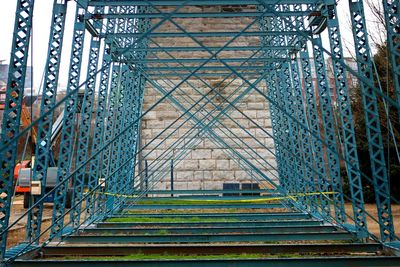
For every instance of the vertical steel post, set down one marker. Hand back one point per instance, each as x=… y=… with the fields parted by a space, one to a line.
x=68 y=126
x=12 y=110
x=49 y=94
x=85 y=126
x=110 y=133
x=172 y=177
x=146 y=176
x=276 y=116
x=392 y=21
x=99 y=128
x=347 y=124
x=325 y=104
x=372 y=121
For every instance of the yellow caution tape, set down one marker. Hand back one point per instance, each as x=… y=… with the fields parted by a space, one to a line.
x=256 y=200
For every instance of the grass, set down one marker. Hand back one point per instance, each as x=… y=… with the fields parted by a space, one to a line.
x=166 y=220
x=163 y=232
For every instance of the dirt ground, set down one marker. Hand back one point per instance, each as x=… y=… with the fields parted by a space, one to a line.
x=17 y=232
x=373 y=226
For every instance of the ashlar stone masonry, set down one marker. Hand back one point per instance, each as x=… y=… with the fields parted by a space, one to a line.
x=217 y=155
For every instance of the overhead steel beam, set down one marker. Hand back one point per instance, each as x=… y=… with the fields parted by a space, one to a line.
x=194 y=2
x=198 y=48
x=115 y=36
x=204 y=15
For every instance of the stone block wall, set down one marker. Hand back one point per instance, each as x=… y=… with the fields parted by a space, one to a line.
x=218 y=156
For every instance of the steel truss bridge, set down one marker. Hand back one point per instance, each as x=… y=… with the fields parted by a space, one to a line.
x=139 y=45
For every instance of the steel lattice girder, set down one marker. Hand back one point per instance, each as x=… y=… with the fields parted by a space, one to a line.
x=196 y=2
x=392 y=19
x=12 y=111
x=67 y=135
x=372 y=121
x=122 y=52
x=43 y=147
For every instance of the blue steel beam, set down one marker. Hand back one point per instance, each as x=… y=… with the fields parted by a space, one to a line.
x=313 y=122
x=195 y=2
x=133 y=98
x=305 y=138
x=85 y=126
x=242 y=31
x=204 y=15
x=372 y=122
x=196 y=60
x=116 y=152
x=12 y=110
x=101 y=112
x=288 y=80
x=196 y=49
x=118 y=135
x=325 y=104
x=68 y=127
x=109 y=128
x=115 y=36
x=181 y=124
x=43 y=146
x=190 y=116
x=347 y=124
x=373 y=261
x=141 y=25
x=392 y=23
x=279 y=123
x=122 y=106
x=209 y=130
x=15 y=138
x=225 y=64
x=286 y=91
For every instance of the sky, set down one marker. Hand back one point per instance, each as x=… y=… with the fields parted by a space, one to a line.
x=41 y=29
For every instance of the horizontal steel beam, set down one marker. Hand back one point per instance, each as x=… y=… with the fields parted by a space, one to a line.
x=112 y=36
x=195 y=49
x=209 y=230
x=195 y=2
x=210 y=224
x=211 y=68
x=205 y=15
x=200 y=60
x=200 y=249
x=156 y=76
x=206 y=238
x=276 y=262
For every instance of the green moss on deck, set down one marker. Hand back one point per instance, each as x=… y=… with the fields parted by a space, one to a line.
x=167 y=220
